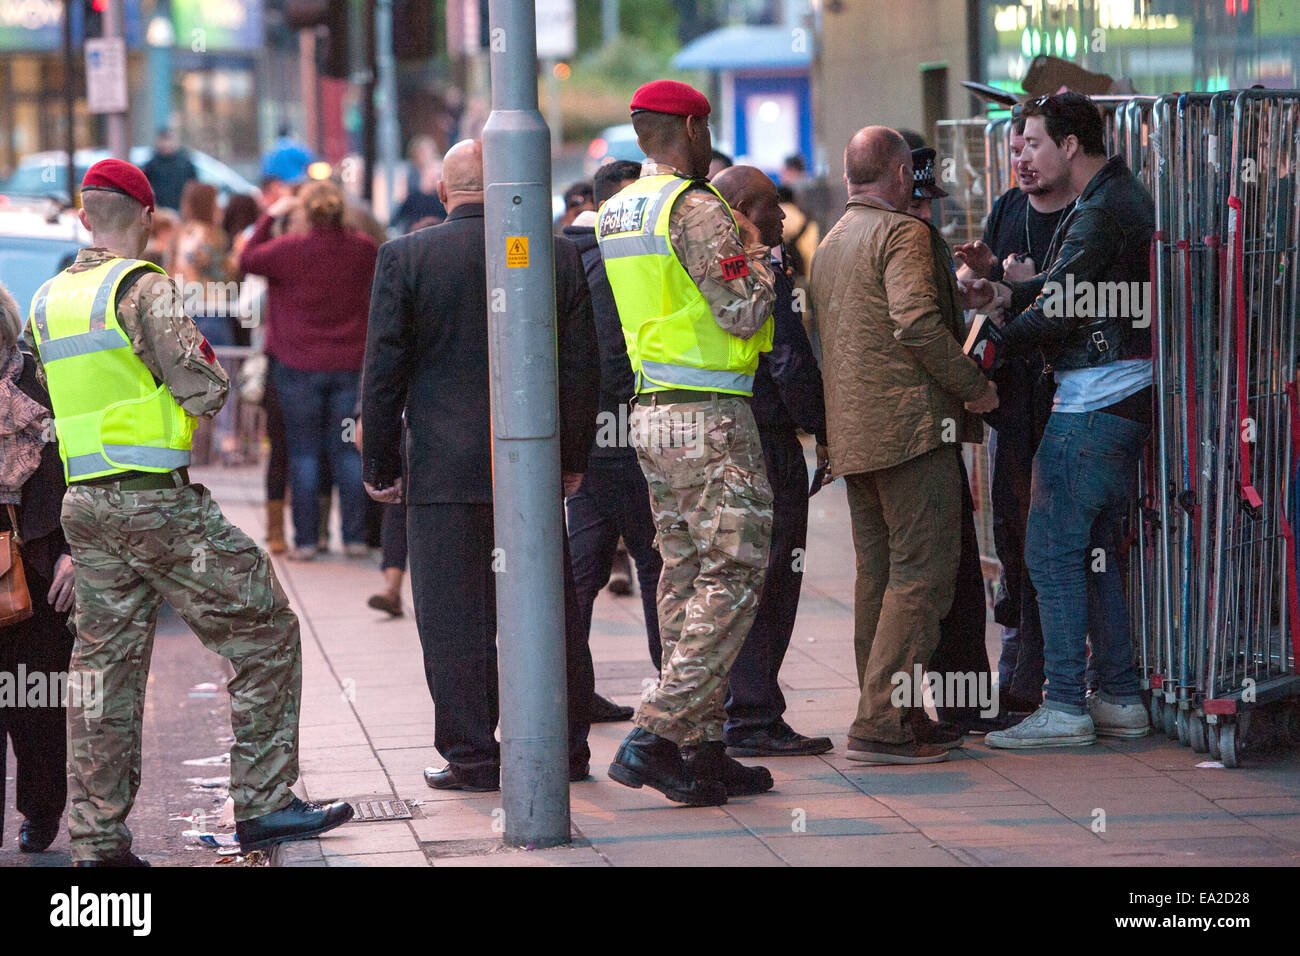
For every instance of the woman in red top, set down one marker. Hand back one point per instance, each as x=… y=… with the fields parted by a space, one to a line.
x=318 y=302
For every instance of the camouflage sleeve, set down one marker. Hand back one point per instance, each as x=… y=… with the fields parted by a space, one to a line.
x=735 y=280
x=152 y=314
x=29 y=345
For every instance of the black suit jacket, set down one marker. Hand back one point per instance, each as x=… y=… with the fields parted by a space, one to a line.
x=427 y=355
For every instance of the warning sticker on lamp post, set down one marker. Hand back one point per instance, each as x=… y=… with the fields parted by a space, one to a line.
x=106 y=75
x=516 y=252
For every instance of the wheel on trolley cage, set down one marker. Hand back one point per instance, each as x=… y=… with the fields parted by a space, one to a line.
x=1196 y=734
x=1212 y=740
x=1181 y=728
x=1171 y=721
x=1229 y=742
x=1289 y=727
x=1157 y=710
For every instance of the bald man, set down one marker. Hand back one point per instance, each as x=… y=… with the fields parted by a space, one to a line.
x=890 y=315
x=787 y=398
x=427 y=363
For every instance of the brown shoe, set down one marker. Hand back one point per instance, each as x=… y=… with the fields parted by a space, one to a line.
x=388 y=602
x=275 y=542
x=877 y=751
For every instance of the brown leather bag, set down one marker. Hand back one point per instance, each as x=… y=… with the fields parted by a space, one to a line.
x=15 y=599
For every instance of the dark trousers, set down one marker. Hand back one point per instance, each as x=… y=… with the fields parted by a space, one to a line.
x=454 y=589
x=1026 y=402
x=393 y=537
x=613 y=502
x=42 y=644
x=277 y=459
x=961 y=647
x=755 y=701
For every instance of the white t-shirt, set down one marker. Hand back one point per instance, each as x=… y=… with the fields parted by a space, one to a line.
x=1088 y=389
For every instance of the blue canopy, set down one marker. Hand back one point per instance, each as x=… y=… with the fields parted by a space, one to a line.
x=746 y=48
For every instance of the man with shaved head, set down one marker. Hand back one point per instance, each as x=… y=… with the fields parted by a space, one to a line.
x=426 y=387
x=890 y=316
x=787 y=398
x=693 y=286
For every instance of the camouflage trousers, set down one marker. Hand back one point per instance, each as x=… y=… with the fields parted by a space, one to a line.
x=712 y=508
x=132 y=550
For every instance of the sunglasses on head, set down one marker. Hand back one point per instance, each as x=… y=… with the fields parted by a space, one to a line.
x=1046 y=102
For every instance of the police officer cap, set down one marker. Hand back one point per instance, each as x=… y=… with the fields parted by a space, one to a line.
x=669 y=96
x=923 y=184
x=119 y=176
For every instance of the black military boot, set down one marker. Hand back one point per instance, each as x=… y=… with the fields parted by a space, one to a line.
x=646 y=760
x=710 y=762
x=124 y=858
x=298 y=821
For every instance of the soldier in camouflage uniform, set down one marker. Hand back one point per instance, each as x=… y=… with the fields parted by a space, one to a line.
x=139 y=538
x=695 y=437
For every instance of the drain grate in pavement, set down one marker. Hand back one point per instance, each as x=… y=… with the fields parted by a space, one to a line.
x=370 y=811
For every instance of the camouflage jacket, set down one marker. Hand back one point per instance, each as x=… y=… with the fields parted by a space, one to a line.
x=704 y=236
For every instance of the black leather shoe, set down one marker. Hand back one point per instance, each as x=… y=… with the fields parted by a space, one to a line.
x=300 y=820
x=125 y=858
x=446 y=779
x=779 y=740
x=710 y=762
x=647 y=760
x=607 y=712
x=36 y=837
x=940 y=734
x=579 y=772
x=983 y=725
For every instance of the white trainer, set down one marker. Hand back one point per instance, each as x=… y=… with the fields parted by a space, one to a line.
x=1045 y=728
x=1118 y=720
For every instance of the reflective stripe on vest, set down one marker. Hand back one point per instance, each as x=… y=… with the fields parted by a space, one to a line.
x=110 y=414
x=673 y=339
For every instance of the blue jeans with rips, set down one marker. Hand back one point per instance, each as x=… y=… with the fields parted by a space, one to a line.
x=1085 y=476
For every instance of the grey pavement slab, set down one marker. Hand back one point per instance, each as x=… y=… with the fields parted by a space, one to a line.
x=367 y=730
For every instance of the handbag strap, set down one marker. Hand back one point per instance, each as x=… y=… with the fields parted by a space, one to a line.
x=13 y=524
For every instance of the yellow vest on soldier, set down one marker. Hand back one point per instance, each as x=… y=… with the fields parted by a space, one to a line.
x=110 y=414
x=672 y=338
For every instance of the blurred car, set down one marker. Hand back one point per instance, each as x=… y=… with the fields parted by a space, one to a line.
x=45 y=175
x=37 y=241
x=614 y=142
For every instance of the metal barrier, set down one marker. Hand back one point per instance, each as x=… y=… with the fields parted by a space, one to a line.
x=234 y=436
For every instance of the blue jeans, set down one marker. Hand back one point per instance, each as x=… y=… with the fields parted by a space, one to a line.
x=1085 y=476
x=315 y=405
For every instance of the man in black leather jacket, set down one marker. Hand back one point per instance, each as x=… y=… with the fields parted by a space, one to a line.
x=1089 y=313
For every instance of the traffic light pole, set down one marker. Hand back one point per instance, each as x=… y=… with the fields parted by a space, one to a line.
x=526 y=487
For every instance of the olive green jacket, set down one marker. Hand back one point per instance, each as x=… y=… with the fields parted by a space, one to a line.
x=891 y=326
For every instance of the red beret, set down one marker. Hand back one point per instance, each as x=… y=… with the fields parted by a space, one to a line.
x=669 y=96
x=119 y=176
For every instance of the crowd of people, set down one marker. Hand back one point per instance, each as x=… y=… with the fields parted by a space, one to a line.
x=686 y=287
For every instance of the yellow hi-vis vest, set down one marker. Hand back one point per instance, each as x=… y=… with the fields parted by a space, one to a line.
x=110 y=414
x=672 y=338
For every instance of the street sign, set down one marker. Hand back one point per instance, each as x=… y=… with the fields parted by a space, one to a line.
x=557 y=29
x=106 y=75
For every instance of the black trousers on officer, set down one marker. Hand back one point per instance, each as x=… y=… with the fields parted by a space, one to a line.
x=454 y=590
x=755 y=701
x=961 y=647
x=614 y=502
x=42 y=644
